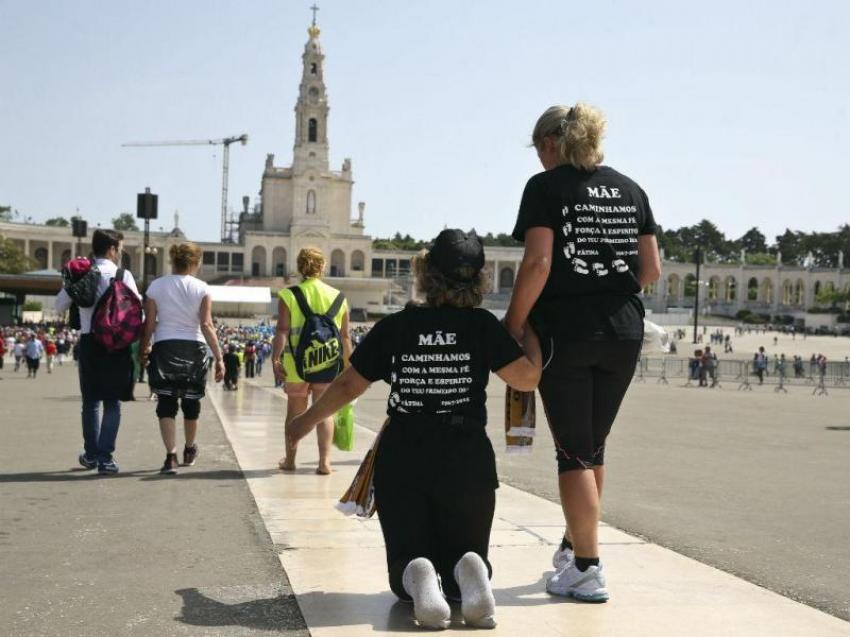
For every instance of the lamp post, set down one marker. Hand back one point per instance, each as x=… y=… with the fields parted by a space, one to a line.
x=79 y=229
x=146 y=208
x=698 y=261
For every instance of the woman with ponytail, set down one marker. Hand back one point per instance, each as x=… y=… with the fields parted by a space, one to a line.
x=590 y=248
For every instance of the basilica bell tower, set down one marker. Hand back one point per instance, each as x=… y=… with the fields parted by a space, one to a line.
x=311 y=109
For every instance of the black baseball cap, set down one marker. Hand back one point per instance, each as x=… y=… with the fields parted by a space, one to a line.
x=454 y=249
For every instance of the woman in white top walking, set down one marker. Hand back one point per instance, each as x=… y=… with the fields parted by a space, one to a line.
x=178 y=314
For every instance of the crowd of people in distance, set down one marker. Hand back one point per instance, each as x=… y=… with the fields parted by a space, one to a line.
x=30 y=344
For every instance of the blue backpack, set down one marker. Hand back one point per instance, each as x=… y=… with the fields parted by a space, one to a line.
x=318 y=355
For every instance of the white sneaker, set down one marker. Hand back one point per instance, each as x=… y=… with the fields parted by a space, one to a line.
x=477 y=602
x=561 y=558
x=587 y=586
x=430 y=608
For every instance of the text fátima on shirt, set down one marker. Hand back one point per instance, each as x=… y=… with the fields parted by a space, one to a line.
x=436 y=360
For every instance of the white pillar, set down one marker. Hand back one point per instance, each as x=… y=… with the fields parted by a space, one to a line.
x=49 y=255
x=496 y=288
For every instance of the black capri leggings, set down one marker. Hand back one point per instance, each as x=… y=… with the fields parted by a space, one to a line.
x=166 y=407
x=582 y=389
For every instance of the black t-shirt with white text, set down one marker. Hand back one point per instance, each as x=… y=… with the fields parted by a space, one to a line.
x=436 y=360
x=597 y=217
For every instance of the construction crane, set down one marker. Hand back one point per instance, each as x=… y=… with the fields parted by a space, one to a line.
x=226 y=142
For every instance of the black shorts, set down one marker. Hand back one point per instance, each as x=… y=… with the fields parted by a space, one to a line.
x=582 y=388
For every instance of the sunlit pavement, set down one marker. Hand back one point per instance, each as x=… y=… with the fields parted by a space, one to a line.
x=337 y=568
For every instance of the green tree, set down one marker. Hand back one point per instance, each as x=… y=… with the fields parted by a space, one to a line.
x=5 y=213
x=12 y=258
x=753 y=241
x=500 y=240
x=790 y=244
x=60 y=222
x=125 y=221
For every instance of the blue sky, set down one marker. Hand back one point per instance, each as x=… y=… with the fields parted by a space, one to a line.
x=733 y=111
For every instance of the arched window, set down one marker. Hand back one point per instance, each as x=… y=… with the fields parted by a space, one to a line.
x=713 y=287
x=66 y=256
x=787 y=292
x=690 y=286
x=311 y=202
x=258 y=261
x=753 y=289
x=731 y=289
x=358 y=261
x=673 y=286
x=314 y=68
x=800 y=293
x=767 y=291
x=506 y=279
x=279 y=261
x=312 y=130
x=337 y=263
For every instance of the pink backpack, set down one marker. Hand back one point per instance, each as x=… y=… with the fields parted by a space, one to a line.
x=117 y=320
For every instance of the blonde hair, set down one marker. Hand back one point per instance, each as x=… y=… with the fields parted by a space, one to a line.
x=184 y=256
x=311 y=263
x=441 y=291
x=578 y=130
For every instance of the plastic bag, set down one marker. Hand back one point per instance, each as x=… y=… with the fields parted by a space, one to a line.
x=344 y=428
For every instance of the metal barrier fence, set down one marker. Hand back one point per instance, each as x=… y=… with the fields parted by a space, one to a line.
x=742 y=374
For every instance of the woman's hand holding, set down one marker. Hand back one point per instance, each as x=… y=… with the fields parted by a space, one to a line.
x=219 y=370
x=144 y=355
x=294 y=431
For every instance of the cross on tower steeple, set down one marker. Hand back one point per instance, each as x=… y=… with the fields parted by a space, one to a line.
x=314 y=9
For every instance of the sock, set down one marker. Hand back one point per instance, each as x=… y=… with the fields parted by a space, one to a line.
x=566 y=544
x=583 y=563
x=477 y=602
x=429 y=606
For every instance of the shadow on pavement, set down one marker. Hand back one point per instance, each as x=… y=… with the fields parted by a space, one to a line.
x=71 y=475
x=383 y=611
x=272 y=614
x=837 y=428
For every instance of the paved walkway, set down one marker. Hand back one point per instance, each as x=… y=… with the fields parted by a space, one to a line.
x=337 y=568
x=136 y=554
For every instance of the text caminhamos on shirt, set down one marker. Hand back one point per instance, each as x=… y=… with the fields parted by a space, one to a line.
x=436 y=360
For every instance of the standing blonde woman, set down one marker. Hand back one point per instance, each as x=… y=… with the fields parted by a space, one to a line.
x=590 y=248
x=310 y=298
x=178 y=315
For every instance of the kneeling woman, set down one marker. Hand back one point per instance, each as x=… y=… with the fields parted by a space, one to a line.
x=435 y=471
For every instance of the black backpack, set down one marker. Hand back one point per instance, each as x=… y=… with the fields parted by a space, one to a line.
x=83 y=292
x=318 y=355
